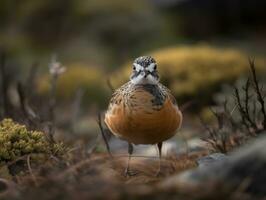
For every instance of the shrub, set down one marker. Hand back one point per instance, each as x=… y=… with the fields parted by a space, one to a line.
x=92 y=80
x=196 y=72
x=240 y=115
x=16 y=141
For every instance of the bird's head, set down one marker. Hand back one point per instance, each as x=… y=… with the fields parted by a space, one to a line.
x=144 y=71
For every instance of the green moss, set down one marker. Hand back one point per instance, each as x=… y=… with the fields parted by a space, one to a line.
x=16 y=141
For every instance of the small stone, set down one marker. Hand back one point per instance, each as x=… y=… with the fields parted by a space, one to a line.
x=210 y=159
x=245 y=166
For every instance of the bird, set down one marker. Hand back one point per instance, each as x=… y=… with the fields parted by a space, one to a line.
x=143 y=111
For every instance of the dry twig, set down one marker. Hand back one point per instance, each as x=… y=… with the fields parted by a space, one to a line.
x=258 y=90
x=56 y=69
x=30 y=171
x=224 y=136
x=30 y=83
x=99 y=121
x=4 y=84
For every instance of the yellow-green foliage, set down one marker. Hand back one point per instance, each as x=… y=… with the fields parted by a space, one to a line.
x=16 y=141
x=199 y=70
x=92 y=80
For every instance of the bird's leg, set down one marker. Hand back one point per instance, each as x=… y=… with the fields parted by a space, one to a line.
x=130 y=152
x=159 y=145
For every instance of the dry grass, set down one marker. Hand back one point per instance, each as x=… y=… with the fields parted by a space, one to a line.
x=249 y=120
x=81 y=173
x=95 y=175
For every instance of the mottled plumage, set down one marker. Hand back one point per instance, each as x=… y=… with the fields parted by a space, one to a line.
x=143 y=114
x=143 y=111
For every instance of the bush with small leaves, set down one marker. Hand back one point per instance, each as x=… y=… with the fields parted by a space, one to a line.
x=16 y=141
x=196 y=72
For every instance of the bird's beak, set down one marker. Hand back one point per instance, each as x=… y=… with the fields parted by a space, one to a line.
x=146 y=73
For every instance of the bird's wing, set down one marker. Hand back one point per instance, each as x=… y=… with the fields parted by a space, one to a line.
x=115 y=109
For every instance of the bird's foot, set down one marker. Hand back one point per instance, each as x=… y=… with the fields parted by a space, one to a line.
x=129 y=173
x=158 y=173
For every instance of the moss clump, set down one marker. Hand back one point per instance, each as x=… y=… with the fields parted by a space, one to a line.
x=16 y=141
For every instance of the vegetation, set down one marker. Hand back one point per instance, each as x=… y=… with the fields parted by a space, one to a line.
x=89 y=79
x=97 y=41
x=196 y=72
x=17 y=141
x=239 y=118
x=85 y=164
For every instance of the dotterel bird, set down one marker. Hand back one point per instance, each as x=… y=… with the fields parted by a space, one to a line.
x=143 y=111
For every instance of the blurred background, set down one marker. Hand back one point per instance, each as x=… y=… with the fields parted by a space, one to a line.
x=200 y=46
x=61 y=60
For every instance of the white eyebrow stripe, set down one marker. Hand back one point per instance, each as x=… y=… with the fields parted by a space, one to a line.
x=151 y=67
x=138 y=67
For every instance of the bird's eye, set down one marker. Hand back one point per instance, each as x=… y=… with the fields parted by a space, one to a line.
x=134 y=68
x=155 y=67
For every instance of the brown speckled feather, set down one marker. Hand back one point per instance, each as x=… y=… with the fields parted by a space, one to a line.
x=143 y=114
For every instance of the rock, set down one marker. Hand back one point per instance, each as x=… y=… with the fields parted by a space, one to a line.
x=246 y=166
x=211 y=159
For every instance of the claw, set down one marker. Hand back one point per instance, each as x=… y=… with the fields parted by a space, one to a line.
x=129 y=173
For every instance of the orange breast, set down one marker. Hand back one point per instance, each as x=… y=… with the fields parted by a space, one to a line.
x=142 y=124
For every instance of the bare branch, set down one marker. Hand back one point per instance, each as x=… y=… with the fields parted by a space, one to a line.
x=103 y=135
x=31 y=79
x=26 y=109
x=246 y=108
x=258 y=90
x=22 y=98
x=30 y=171
x=241 y=108
x=55 y=69
x=219 y=118
x=255 y=111
x=246 y=90
x=4 y=84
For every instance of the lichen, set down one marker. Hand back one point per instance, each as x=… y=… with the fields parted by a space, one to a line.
x=16 y=141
